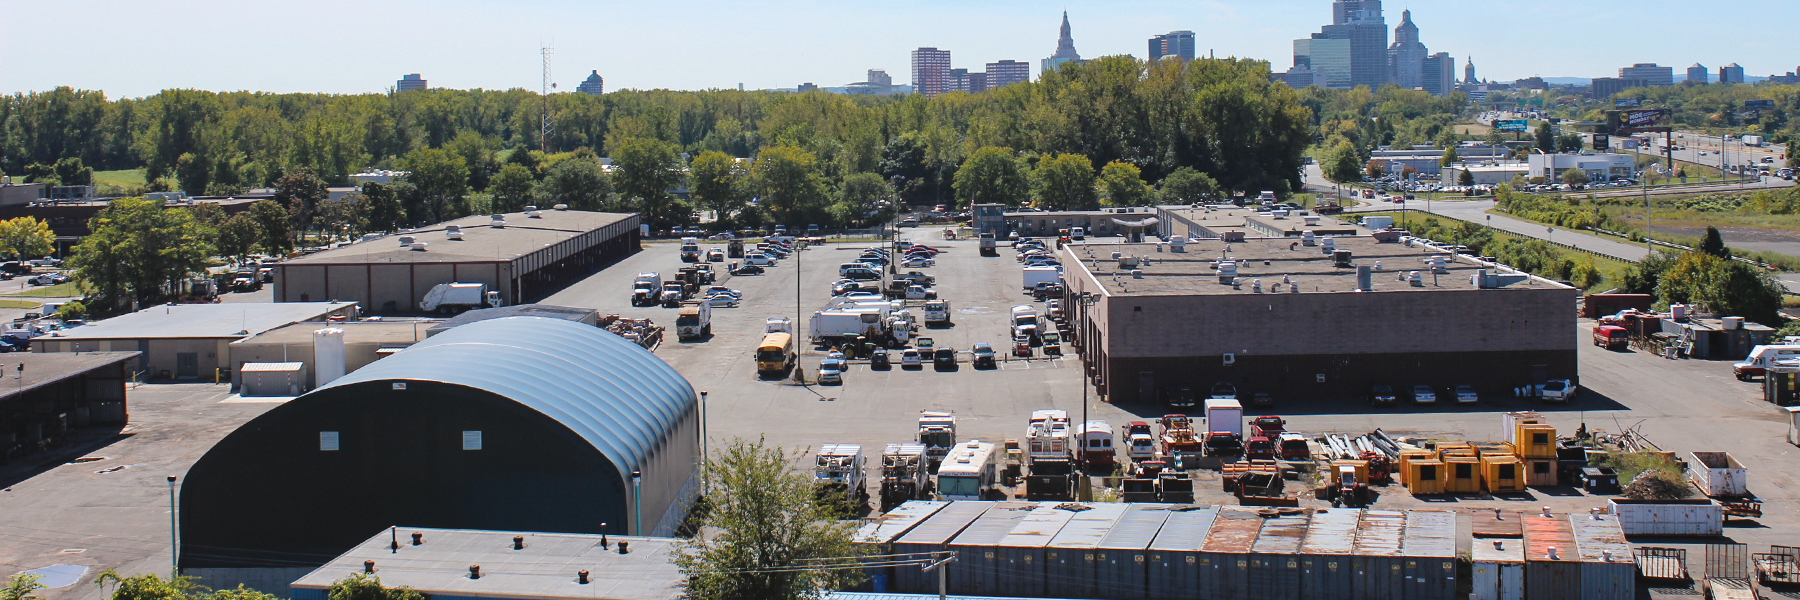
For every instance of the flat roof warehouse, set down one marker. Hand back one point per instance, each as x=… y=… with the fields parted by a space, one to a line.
x=481 y=242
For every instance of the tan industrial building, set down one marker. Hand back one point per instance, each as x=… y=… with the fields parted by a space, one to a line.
x=294 y=348
x=520 y=255
x=187 y=341
x=1327 y=320
x=1238 y=223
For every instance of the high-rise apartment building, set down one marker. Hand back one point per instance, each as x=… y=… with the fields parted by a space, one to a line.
x=1358 y=31
x=1065 y=48
x=977 y=82
x=1697 y=73
x=1406 y=58
x=1174 y=43
x=1650 y=73
x=409 y=82
x=1437 y=74
x=594 y=85
x=957 y=81
x=931 y=71
x=1731 y=73
x=1007 y=72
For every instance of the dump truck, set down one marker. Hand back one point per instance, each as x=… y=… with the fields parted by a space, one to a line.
x=694 y=320
x=904 y=475
x=734 y=248
x=646 y=290
x=937 y=432
x=989 y=247
x=937 y=312
x=452 y=297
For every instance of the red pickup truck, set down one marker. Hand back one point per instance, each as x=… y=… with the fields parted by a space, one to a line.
x=1611 y=337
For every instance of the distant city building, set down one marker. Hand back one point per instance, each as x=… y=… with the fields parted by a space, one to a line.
x=1605 y=87
x=1793 y=77
x=931 y=71
x=958 y=81
x=1356 y=39
x=978 y=82
x=880 y=77
x=1065 y=48
x=1406 y=58
x=1007 y=72
x=1697 y=73
x=1650 y=73
x=594 y=85
x=409 y=82
x=1731 y=73
x=1469 y=72
x=1297 y=77
x=1174 y=43
x=806 y=87
x=879 y=83
x=1531 y=83
x=1437 y=74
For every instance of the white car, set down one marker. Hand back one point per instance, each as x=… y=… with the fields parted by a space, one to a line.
x=918 y=262
x=722 y=300
x=759 y=259
x=1557 y=390
x=831 y=370
x=1465 y=394
x=1422 y=394
x=722 y=290
x=910 y=357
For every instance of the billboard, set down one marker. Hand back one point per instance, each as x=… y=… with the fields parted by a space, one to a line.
x=1625 y=103
x=1602 y=141
x=1759 y=105
x=1646 y=119
x=1509 y=124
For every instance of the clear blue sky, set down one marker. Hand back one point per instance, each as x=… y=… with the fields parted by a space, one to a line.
x=136 y=48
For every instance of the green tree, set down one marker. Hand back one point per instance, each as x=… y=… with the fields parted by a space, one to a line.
x=136 y=248
x=1450 y=157
x=1341 y=163
x=277 y=237
x=300 y=191
x=1186 y=186
x=347 y=216
x=578 y=182
x=1714 y=243
x=1546 y=137
x=991 y=175
x=777 y=540
x=441 y=181
x=385 y=212
x=644 y=170
x=195 y=172
x=26 y=237
x=21 y=587
x=1124 y=185
x=1065 y=182
x=864 y=198
x=1465 y=178
x=72 y=309
x=719 y=184
x=148 y=586
x=477 y=153
x=70 y=171
x=238 y=236
x=787 y=180
x=359 y=586
x=1568 y=143
x=1574 y=177
x=512 y=188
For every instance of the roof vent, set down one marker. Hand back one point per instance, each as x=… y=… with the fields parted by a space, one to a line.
x=498 y=222
x=406 y=240
x=582 y=576
x=1137 y=273
x=420 y=246
x=536 y=214
x=1293 y=288
x=1415 y=279
x=418 y=539
x=529 y=208
x=518 y=542
x=1329 y=244
x=1116 y=254
x=474 y=571
x=1363 y=279
x=1308 y=238
x=560 y=207
x=1256 y=286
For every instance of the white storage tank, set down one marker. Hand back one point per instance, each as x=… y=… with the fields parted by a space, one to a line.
x=328 y=355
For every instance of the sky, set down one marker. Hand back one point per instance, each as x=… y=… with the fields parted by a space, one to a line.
x=129 y=49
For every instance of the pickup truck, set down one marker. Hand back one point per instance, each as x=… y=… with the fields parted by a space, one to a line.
x=916 y=278
x=919 y=292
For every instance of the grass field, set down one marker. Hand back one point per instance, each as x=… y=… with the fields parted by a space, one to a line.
x=123 y=178
x=61 y=290
x=19 y=304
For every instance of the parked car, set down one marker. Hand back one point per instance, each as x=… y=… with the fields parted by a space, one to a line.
x=1262 y=399
x=944 y=357
x=1422 y=394
x=982 y=356
x=747 y=270
x=909 y=357
x=845 y=286
x=759 y=259
x=722 y=301
x=1382 y=394
x=879 y=358
x=831 y=370
x=918 y=262
x=1465 y=394
x=715 y=255
x=1558 y=390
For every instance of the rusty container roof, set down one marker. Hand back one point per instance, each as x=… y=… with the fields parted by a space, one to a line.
x=1594 y=537
x=1430 y=534
x=1542 y=533
x=1380 y=533
x=1496 y=523
x=1234 y=532
x=1283 y=533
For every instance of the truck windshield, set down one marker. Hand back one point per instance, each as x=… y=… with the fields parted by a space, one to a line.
x=959 y=485
x=935 y=439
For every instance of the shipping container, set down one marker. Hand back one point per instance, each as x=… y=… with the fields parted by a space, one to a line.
x=1412 y=454
x=1275 y=563
x=1463 y=475
x=1535 y=441
x=1668 y=517
x=1608 y=569
x=976 y=565
x=1502 y=474
x=1225 y=558
x=1071 y=560
x=1430 y=551
x=1718 y=474
x=880 y=532
x=1325 y=571
x=1174 y=572
x=1377 y=560
x=1551 y=569
x=1496 y=523
x=933 y=535
x=1497 y=571
x=1510 y=422
x=1021 y=555
x=1121 y=568
x=1424 y=477
x=1540 y=472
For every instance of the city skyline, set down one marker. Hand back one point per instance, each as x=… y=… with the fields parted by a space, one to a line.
x=453 y=45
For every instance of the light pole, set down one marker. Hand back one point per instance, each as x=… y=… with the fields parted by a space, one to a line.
x=174 y=534
x=637 y=508
x=799 y=367
x=705 y=480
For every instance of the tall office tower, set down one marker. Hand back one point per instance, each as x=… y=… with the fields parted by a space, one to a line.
x=594 y=85
x=1650 y=73
x=1697 y=73
x=957 y=81
x=1406 y=58
x=1174 y=43
x=1731 y=73
x=1469 y=72
x=409 y=82
x=1065 y=48
x=1437 y=74
x=1354 y=44
x=880 y=77
x=1007 y=72
x=931 y=71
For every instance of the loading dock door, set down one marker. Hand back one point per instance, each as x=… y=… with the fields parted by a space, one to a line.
x=1146 y=386
x=187 y=365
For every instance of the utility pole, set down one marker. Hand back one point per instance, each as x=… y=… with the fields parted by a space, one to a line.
x=546 y=125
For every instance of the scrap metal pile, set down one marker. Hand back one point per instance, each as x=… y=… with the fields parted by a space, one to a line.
x=642 y=332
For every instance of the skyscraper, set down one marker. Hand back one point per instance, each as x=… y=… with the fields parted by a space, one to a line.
x=1650 y=73
x=593 y=86
x=409 y=82
x=1731 y=73
x=1697 y=73
x=1363 y=47
x=1174 y=43
x=931 y=71
x=1469 y=72
x=880 y=77
x=1437 y=74
x=1406 y=58
x=1065 y=48
x=1007 y=72
x=957 y=81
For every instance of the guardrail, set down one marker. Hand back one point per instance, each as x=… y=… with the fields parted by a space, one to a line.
x=1551 y=242
x=1657 y=242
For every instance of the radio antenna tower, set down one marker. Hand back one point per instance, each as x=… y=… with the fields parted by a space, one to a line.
x=547 y=127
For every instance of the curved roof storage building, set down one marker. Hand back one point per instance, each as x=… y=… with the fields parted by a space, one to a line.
x=517 y=423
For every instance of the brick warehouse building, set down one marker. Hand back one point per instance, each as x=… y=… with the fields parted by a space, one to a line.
x=526 y=256
x=1295 y=325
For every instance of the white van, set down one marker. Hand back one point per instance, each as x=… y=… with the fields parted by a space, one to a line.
x=844 y=269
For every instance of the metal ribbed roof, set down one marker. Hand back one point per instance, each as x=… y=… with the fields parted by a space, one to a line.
x=613 y=393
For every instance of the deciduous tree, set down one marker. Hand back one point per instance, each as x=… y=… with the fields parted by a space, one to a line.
x=1186 y=186
x=277 y=233
x=512 y=188
x=1341 y=163
x=1124 y=185
x=299 y=191
x=442 y=183
x=1065 y=182
x=26 y=238
x=992 y=176
x=787 y=180
x=578 y=182
x=238 y=236
x=137 y=247
x=864 y=198
x=644 y=170
x=719 y=184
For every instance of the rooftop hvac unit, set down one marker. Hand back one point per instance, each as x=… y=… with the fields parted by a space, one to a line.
x=1329 y=245
x=1364 y=278
x=1227 y=271
x=1415 y=279
x=560 y=207
x=420 y=246
x=1117 y=254
x=529 y=208
x=498 y=222
x=1438 y=264
x=1139 y=274
x=1486 y=279
x=1308 y=238
x=406 y=240
x=1126 y=262
x=1341 y=258
x=1310 y=220
x=453 y=232
x=1178 y=243
x=1730 y=323
x=536 y=214
x=1678 y=311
